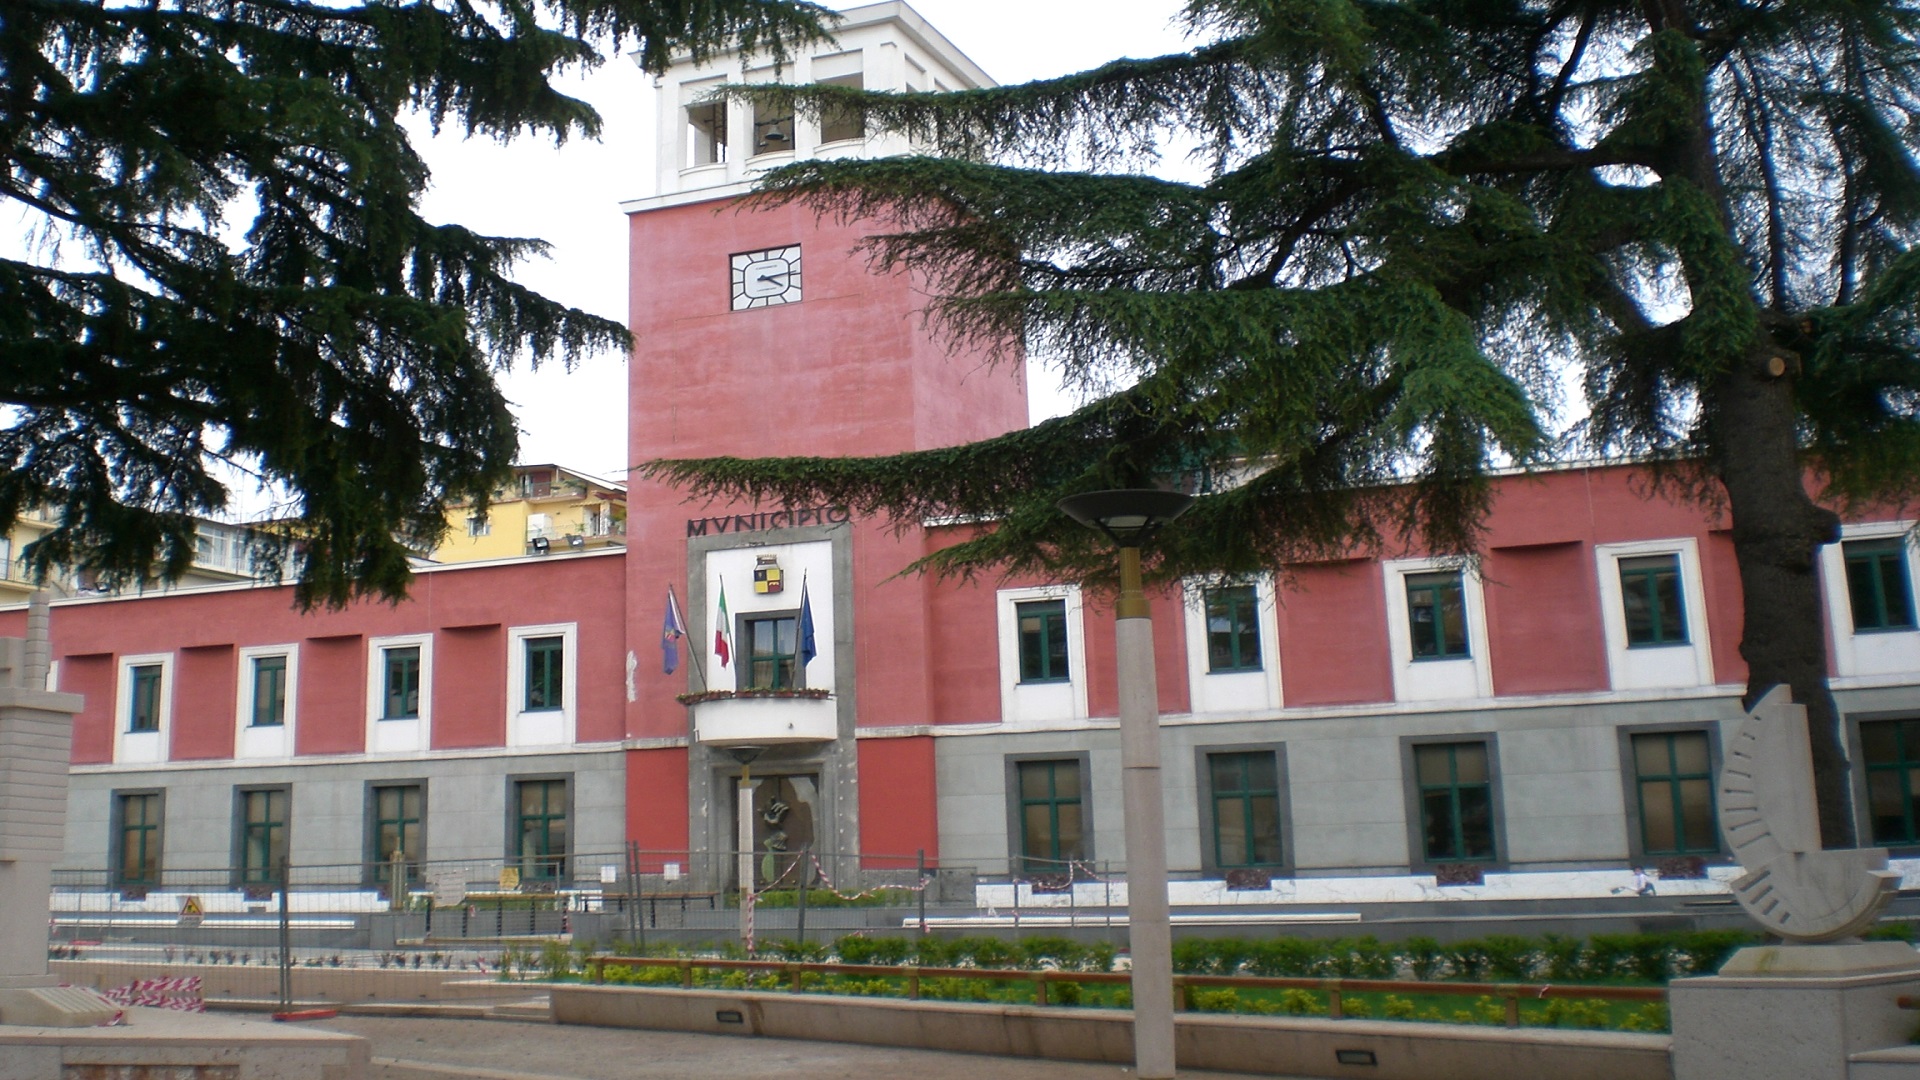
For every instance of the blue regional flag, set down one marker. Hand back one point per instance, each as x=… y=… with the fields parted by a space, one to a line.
x=807 y=649
x=671 y=631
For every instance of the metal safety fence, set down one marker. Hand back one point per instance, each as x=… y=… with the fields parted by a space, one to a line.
x=475 y=929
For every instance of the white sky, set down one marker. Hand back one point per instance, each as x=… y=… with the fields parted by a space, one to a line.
x=570 y=197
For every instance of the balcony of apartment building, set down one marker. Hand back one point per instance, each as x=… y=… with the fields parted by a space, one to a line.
x=570 y=511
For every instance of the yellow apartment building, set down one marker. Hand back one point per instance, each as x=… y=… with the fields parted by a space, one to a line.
x=545 y=510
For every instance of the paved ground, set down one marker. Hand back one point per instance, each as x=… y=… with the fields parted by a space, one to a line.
x=406 y=1048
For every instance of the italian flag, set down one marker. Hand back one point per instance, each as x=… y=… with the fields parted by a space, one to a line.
x=722 y=643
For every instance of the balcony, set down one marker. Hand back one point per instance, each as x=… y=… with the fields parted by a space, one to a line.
x=763 y=717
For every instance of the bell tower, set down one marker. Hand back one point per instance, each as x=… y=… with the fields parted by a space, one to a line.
x=762 y=333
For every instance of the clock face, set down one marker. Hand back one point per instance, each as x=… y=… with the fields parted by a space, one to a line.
x=765 y=278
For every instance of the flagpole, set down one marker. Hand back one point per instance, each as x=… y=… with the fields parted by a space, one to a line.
x=694 y=656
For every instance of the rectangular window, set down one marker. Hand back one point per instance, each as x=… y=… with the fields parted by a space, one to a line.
x=1051 y=824
x=1892 y=752
x=546 y=657
x=1246 y=809
x=1043 y=640
x=143 y=713
x=1456 y=801
x=399 y=812
x=1437 y=616
x=1650 y=595
x=1877 y=586
x=1673 y=772
x=479 y=526
x=263 y=834
x=707 y=133
x=841 y=123
x=769 y=645
x=1233 y=633
x=402 y=682
x=540 y=829
x=269 y=691
x=137 y=815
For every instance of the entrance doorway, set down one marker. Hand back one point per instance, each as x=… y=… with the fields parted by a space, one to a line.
x=783 y=828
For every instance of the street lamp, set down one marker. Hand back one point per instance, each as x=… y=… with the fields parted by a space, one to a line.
x=1128 y=516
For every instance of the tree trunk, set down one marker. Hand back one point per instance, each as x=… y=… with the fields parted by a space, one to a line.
x=1778 y=531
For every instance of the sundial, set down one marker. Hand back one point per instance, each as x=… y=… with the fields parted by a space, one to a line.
x=1767 y=812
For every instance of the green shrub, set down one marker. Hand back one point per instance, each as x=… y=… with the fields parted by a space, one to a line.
x=1468 y=960
x=1287 y=957
x=556 y=959
x=1701 y=952
x=1361 y=958
x=1653 y=1016
x=1396 y=1007
x=1563 y=957
x=1302 y=1003
x=1064 y=993
x=1511 y=958
x=1225 y=1000
x=1566 y=1012
x=986 y=952
x=1355 y=1007
x=1064 y=953
x=955 y=989
x=1424 y=957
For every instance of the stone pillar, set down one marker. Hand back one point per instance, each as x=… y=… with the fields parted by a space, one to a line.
x=1793 y=1012
x=36 y=740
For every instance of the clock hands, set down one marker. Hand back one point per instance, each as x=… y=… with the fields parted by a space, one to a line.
x=774 y=277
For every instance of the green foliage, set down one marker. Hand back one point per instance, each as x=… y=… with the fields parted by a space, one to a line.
x=1226 y=999
x=227 y=262
x=556 y=959
x=1603 y=958
x=1568 y=1012
x=1425 y=960
x=1302 y=1003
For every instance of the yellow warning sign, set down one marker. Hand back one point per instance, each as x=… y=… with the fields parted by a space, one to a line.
x=509 y=878
x=191 y=911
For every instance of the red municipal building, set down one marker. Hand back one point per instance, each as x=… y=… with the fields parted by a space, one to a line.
x=1534 y=724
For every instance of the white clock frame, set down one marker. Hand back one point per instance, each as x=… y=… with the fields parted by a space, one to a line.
x=766 y=278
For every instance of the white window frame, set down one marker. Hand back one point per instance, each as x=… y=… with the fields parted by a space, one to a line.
x=1048 y=702
x=1877 y=656
x=398 y=736
x=1232 y=691
x=142 y=747
x=1437 y=678
x=546 y=727
x=1655 y=667
x=259 y=742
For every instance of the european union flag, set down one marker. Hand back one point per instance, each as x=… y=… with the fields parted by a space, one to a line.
x=671 y=631
x=807 y=649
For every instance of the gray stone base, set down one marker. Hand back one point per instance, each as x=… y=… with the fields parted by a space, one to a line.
x=1793 y=1012
x=187 y=1046
x=55 y=1006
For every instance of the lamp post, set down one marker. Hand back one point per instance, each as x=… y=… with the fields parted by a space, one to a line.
x=1128 y=516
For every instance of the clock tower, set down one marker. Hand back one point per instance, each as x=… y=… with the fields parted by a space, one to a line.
x=760 y=333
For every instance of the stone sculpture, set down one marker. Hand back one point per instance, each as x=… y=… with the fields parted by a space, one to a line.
x=1792 y=887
